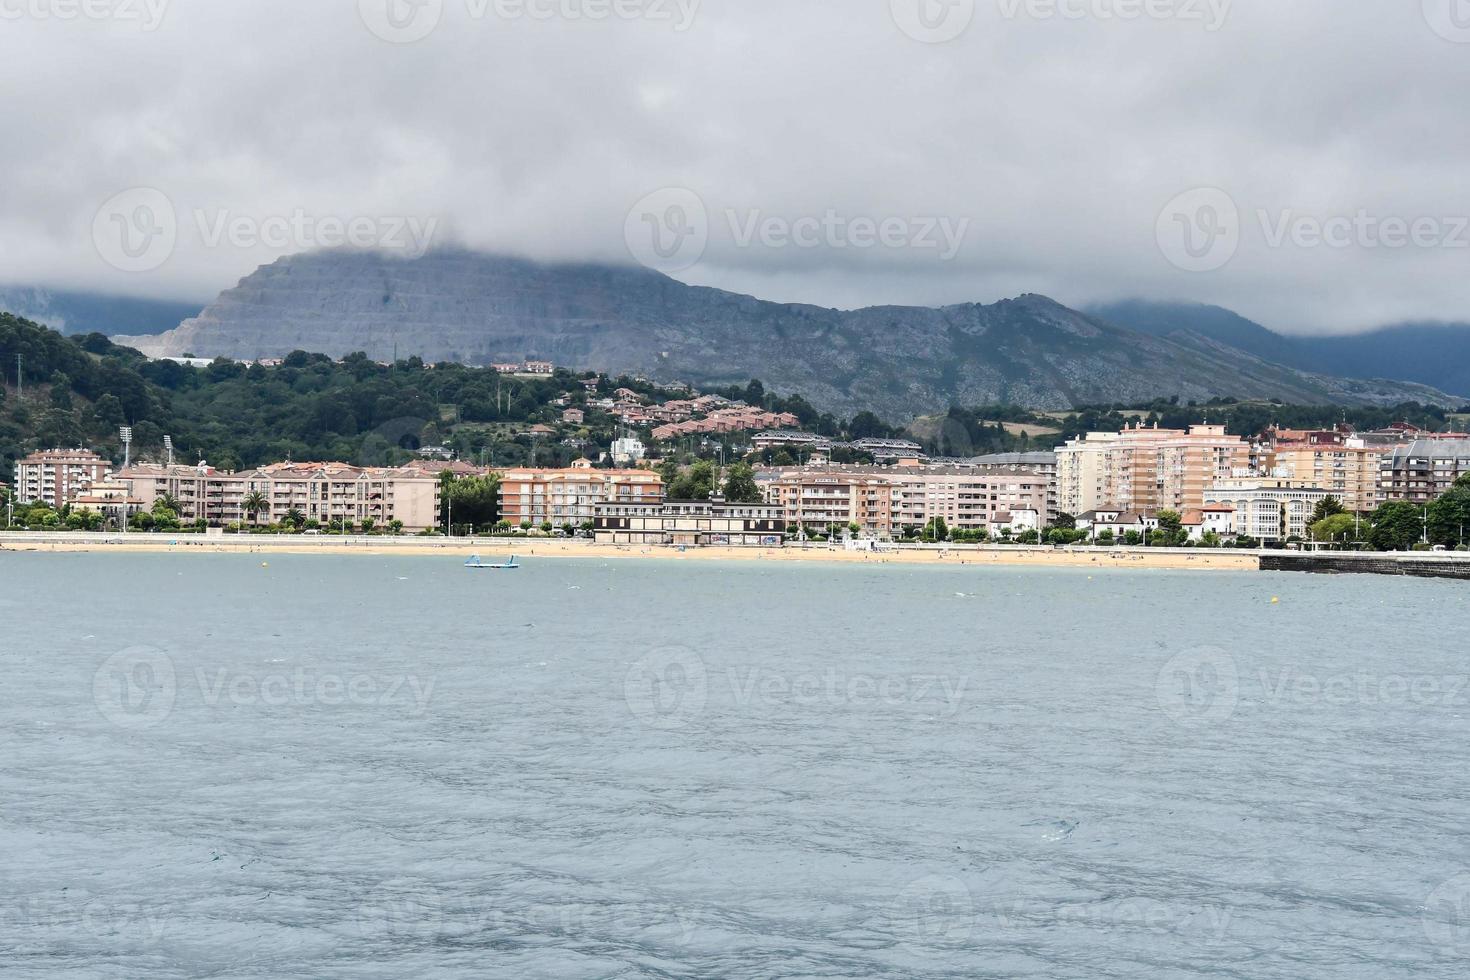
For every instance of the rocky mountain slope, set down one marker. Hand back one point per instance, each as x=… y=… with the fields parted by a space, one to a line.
x=1435 y=354
x=897 y=361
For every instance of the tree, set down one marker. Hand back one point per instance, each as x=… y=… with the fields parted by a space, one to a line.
x=1335 y=527
x=294 y=518
x=253 y=503
x=1326 y=507
x=695 y=483
x=936 y=530
x=1397 y=526
x=473 y=500
x=164 y=517
x=1450 y=515
x=1171 y=531
x=866 y=425
x=740 y=485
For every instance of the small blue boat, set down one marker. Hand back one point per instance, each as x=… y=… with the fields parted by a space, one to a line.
x=476 y=562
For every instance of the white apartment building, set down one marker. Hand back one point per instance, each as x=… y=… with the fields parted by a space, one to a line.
x=1271 y=509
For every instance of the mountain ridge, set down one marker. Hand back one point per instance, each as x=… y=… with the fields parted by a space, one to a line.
x=1432 y=353
x=899 y=361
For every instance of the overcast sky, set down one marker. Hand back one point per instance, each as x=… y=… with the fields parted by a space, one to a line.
x=840 y=152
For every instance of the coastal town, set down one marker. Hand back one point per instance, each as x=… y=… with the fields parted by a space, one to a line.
x=694 y=470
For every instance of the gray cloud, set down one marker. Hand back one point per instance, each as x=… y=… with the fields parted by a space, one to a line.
x=1059 y=139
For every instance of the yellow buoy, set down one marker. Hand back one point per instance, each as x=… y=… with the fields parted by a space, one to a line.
x=1275 y=600
x=265 y=564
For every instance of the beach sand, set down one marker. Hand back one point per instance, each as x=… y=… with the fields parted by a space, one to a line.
x=492 y=549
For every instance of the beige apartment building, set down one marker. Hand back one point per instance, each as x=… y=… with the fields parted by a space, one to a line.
x=886 y=500
x=328 y=493
x=1147 y=469
x=1350 y=473
x=55 y=476
x=570 y=496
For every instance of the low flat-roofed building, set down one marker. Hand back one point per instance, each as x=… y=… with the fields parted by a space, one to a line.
x=691 y=524
x=809 y=441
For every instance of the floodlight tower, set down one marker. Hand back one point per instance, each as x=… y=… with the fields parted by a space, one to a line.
x=168 y=447
x=126 y=432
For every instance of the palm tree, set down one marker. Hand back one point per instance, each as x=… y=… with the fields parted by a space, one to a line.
x=170 y=501
x=253 y=504
x=295 y=518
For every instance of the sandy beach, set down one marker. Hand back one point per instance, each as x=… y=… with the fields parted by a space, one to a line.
x=551 y=548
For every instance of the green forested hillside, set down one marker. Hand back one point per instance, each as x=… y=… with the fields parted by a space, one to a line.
x=79 y=390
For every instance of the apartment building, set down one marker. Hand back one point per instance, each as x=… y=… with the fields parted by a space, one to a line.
x=328 y=493
x=570 y=496
x=740 y=418
x=1271 y=509
x=690 y=523
x=1348 y=469
x=1423 y=470
x=1042 y=463
x=55 y=476
x=1147 y=469
x=886 y=500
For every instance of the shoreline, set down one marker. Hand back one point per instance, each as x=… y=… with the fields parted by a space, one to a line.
x=493 y=548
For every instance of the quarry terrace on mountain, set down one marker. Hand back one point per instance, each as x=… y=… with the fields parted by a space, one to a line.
x=897 y=361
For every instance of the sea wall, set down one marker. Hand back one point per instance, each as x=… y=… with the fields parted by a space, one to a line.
x=1324 y=563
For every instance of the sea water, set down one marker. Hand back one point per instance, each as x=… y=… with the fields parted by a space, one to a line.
x=284 y=766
